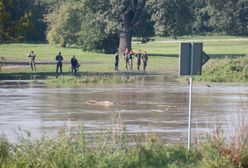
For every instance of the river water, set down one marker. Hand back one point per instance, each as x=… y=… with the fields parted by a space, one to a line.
x=152 y=104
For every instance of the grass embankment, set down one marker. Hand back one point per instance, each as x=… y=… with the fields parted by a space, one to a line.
x=73 y=80
x=74 y=150
x=163 y=55
x=226 y=70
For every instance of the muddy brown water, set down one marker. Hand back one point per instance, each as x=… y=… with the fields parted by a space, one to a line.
x=153 y=104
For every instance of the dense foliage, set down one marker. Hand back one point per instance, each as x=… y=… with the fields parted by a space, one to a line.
x=21 y=20
x=98 y=25
x=221 y=16
x=114 y=150
x=172 y=17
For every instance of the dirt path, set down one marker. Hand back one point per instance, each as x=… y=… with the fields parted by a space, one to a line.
x=198 y=40
x=18 y=64
x=43 y=62
x=208 y=40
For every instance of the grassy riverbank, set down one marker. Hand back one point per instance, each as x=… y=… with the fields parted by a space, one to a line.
x=87 y=79
x=163 y=57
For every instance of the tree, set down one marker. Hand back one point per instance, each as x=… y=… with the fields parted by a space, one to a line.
x=229 y=16
x=102 y=23
x=64 y=24
x=2 y=19
x=12 y=21
x=18 y=20
x=172 y=17
x=135 y=18
x=37 y=29
x=201 y=23
x=98 y=32
x=242 y=14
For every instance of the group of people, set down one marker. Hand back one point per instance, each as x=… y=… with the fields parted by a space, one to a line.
x=128 y=59
x=59 y=59
x=74 y=64
x=127 y=55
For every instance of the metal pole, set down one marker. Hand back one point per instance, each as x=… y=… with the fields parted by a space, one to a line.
x=190 y=96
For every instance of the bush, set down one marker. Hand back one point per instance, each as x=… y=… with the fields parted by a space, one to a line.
x=227 y=70
x=72 y=149
x=244 y=157
x=4 y=149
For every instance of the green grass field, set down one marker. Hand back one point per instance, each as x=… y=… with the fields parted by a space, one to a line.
x=163 y=54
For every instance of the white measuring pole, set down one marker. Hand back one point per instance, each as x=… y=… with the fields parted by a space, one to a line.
x=190 y=96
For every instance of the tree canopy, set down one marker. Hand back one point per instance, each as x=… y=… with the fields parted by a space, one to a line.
x=106 y=25
x=21 y=20
x=98 y=25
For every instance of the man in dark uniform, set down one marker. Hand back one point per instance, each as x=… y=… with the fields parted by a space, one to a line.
x=138 y=58
x=130 y=58
x=116 y=61
x=126 y=57
x=59 y=59
x=74 y=65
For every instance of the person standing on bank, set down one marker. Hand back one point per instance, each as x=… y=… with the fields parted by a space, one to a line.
x=138 y=58
x=32 y=56
x=74 y=65
x=59 y=58
x=116 y=61
x=130 y=58
x=145 y=60
x=126 y=58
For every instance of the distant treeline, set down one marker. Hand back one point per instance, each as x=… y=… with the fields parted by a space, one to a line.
x=97 y=24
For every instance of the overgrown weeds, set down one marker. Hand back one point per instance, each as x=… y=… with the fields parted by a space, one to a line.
x=74 y=148
x=229 y=149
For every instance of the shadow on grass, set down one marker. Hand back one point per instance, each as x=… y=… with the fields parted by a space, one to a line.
x=27 y=76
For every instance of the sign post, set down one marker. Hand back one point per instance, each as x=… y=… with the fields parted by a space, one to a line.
x=190 y=95
x=192 y=58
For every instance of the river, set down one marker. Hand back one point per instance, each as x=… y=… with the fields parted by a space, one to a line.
x=152 y=104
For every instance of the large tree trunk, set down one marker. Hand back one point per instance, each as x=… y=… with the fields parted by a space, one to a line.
x=125 y=41
x=126 y=34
